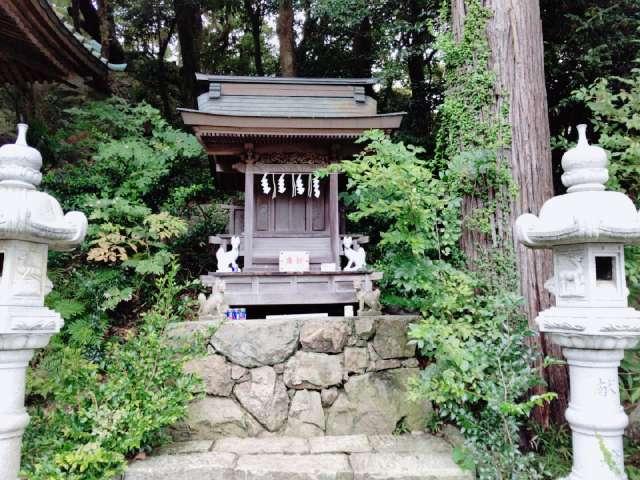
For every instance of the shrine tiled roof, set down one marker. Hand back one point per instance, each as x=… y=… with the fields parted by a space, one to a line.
x=286 y=107
x=286 y=97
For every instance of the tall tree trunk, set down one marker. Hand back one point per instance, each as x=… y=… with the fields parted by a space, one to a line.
x=416 y=41
x=104 y=26
x=189 y=26
x=363 y=49
x=286 y=37
x=163 y=43
x=418 y=108
x=253 y=10
x=514 y=34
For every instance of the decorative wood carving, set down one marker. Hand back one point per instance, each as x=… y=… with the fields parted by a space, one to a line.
x=294 y=158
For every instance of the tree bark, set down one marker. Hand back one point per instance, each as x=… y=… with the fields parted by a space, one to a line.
x=163 y=43
x=514 y=34
x=417 y=39
x=189 y=27
x=363 y=49
x=286 y=37
x=104 y=27
x=253 y=11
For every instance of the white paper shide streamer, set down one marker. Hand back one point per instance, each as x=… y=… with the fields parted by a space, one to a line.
x=274 y=184
x=299 y=185
x=265 y=184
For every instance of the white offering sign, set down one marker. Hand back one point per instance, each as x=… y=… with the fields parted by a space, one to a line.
x=294 y=261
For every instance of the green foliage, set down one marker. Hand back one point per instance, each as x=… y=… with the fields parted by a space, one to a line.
x=584 y=40
x=614 y=104
x=555 y=443
x=472 y=333
x=119 y=150
x=474 y=130
x=109 y=384
x=417 y=219
x=480 y=374
x=87 y=415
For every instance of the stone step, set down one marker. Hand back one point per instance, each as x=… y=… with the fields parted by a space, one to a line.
x=349 y=457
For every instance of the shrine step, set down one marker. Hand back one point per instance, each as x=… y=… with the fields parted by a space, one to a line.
x=351 y=457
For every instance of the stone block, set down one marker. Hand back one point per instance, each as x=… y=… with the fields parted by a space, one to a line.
x=356 y=359
x=406 y=466
x=325 y=335
x=313 y=370
x=340 y=444
x=306 y=417
x=364 y=328
x=408 y=443
x=258 y=342
x=214 y=417
x=375 y=403
x=238 y=373
x=293 y=467
x=180 y=448
x=391 y=340
x=380 y=364
x=328 y=396
x=187 y=330
x=255 y=446
x=265 y=397
x=410 y=363
x=203 y=466
x=215 y=372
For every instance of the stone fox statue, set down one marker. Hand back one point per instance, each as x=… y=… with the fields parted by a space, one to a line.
x=214 y=306
x=368 y=298
x=227 y=259
x=356 y=256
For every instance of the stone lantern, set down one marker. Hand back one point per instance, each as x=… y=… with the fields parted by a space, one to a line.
x=587 y=229
x=31 y=223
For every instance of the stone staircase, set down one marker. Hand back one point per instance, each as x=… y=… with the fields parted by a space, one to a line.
x=303 y=398
x=346 y=457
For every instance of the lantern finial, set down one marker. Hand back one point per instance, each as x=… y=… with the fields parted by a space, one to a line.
x=20 y=164
x=585 y=166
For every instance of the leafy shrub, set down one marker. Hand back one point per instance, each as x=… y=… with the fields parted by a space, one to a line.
x=472 y=332
x=109 y=384
x=87 y=416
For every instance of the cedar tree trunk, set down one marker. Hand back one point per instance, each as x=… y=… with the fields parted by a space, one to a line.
x=253 y=10
x=515 y=39
x=189 y=27
x=286 y=37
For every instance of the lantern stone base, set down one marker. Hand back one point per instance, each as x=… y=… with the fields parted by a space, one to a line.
x=13 y=417
x=16 y=350
x=595 y=415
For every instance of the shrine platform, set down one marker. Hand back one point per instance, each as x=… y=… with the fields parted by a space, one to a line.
x=246 y=289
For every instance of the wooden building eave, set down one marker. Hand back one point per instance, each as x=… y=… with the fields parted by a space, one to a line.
x=203 y=77
x=220 y=127
x=35 y=45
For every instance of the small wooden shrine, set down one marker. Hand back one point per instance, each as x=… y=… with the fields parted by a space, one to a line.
x=267 y=136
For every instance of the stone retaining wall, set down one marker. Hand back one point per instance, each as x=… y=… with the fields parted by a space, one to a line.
x=304 y=377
